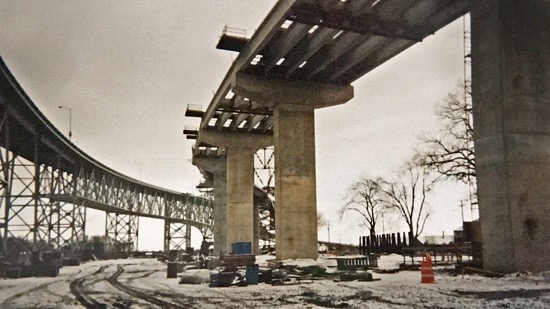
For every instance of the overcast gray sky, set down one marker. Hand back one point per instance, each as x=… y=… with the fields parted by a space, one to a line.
x=128 y=69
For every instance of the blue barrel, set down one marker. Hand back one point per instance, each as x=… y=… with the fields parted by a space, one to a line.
x=241 y=248
x=252 y=274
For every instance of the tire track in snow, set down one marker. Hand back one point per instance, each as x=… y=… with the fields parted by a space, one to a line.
x=82 y=295
x=113 y=280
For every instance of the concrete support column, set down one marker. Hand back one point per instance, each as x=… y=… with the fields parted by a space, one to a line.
x=295 y=185
x=216 y=166
x=239 y=149
x=240 y=195
x=220 y=212
x=511 y=96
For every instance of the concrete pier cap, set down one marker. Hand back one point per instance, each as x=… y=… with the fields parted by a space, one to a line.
x=291 y=92
x=211 y=164
x=235 y=139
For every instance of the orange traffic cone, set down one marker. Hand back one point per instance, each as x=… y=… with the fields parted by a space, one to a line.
x=426 y=270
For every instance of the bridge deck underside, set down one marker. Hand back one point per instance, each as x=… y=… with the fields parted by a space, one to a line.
x=337 y=42
x=328 y=41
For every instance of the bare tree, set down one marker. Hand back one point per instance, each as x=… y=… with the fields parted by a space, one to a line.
x=364 y=199
x=407 y=195
x=451 y=154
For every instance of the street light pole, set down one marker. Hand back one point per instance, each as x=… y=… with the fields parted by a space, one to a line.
x=328 y=228
x=70 y=120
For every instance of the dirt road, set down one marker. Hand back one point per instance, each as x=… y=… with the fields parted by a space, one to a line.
x=143 y=284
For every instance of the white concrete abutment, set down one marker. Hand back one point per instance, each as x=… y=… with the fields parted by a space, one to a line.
x=511 y=97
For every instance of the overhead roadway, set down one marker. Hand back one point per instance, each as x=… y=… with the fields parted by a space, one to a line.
x=328 y=41
x=305 y=54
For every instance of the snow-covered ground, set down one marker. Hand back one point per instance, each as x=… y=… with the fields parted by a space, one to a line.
x=399 y=290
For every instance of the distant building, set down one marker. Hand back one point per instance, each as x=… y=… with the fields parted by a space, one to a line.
x=470 y=233
x=436 y=240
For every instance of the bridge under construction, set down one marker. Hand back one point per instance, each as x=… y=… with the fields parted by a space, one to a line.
x=305 y=55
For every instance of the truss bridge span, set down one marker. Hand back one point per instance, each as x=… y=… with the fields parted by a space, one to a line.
x=47 y=183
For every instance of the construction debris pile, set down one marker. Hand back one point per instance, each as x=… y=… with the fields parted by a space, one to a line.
x=241 y=269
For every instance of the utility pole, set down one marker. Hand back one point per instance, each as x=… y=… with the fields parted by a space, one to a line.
x=328 y=228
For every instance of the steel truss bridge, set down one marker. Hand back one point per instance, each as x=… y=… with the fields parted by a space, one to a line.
x=47 y=183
